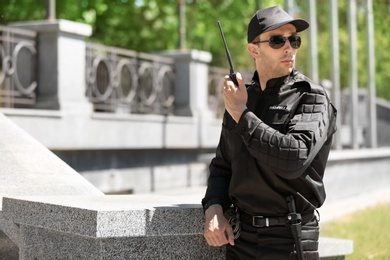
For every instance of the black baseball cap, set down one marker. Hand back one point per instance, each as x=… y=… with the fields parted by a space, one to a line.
x=270 y=19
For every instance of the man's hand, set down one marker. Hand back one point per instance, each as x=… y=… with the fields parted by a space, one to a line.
x=217 y=230
x=235 y=97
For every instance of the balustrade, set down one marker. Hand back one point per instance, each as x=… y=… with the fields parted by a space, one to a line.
x=18 y=66
x=116 y=80
x=128 y=81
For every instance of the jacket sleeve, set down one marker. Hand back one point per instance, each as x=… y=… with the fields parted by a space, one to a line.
x=219 y=173
x=289 y=155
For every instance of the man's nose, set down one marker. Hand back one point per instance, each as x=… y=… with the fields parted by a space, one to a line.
x=287 y=46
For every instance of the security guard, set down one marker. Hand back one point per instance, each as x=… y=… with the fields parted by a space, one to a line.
x=273 y=149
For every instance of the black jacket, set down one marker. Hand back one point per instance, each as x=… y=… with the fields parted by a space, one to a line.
x=280 y=146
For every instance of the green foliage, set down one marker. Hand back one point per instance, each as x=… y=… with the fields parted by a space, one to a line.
x=153 y=25
x=369 y=231
x=382 y=44
x=14 y=10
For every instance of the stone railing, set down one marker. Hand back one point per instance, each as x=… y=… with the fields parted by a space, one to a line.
x=71 y=74
x=66 y=72
x=18 y=62
x=129 y=81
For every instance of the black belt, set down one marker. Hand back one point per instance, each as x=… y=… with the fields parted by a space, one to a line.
x=266 y=221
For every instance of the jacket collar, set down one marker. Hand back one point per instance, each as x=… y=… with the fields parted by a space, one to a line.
x=275 y=81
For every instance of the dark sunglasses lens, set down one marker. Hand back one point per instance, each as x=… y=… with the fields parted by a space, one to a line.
x=277 y=42
x=295 y=41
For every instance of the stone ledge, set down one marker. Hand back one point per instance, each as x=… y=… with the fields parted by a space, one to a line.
x=331 y=247
x=144 y=227
x=106 y=216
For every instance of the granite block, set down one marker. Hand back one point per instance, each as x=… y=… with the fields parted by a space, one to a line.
x=65 y=219
x=119 y=227
x=10 y=229
x=29 y=168
x=8 y=249
x=109 y=227
x=46 y=244
x=107 y=216
x=191 y=247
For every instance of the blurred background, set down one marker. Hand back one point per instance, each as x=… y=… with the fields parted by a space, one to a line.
x=128 y=93
x=153 y=25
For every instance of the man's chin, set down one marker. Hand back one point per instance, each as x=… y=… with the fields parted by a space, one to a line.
x=287 y=71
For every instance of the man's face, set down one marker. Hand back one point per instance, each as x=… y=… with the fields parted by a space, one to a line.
x=275 y=63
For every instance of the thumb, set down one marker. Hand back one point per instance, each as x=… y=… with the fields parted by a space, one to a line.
x=230 y=235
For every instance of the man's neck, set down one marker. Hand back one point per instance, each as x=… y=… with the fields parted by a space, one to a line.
x=263 y=79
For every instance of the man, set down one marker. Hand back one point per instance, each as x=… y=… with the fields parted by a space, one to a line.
x=273 y=149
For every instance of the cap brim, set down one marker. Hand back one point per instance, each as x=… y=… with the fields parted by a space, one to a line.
x=299 y=24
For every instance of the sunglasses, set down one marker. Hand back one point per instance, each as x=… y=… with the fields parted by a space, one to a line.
x=278 y=41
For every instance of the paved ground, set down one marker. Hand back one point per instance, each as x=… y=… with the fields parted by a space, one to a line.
x=334 y=210
x=331 y=210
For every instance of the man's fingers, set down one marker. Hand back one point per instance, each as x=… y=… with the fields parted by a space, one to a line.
x=240 y=81
x=215 y=226
x=216 y=238
x=230 y=235
x=222 y=239
x=213 y=238
x=211 y=241
x=230 y=86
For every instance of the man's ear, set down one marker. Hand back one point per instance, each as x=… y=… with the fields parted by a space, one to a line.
x=253 y=50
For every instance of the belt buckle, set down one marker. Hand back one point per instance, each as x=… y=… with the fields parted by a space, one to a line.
x=260 y=217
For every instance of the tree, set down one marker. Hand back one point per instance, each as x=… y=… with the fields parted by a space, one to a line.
x=382 y=44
